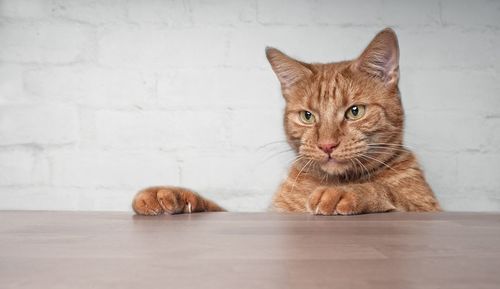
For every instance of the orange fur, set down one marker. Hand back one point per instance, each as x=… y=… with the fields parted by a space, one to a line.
x=344 y=165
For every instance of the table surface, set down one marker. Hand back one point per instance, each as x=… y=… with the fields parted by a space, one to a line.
x=249 y=250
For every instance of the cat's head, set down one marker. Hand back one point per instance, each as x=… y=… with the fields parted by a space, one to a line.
x=345 y=117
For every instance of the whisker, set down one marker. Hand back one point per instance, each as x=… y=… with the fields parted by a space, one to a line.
x=325 y=175
x=389 y=148
x=377 y=160
x=365 y=168
x=389 y=145
x=323 y=179
x=377 y=151
x=295 y=181
x=300 y=157
x=279 y=141
x=355 y=167
x=279 y=153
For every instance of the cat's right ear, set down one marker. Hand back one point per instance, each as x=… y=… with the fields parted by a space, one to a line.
x=288 y=70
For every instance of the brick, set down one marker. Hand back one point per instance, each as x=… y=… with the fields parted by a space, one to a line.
x=128 y=170
x=153 y=48
x=16 y=167
x=254 y=128
x=478 y=173
x=160 y=129
x=284 y=12
x=214 y=171
x=91 y=86
x=492 y=124
x=440 y=169
x=57 y=198
x=102 y=199
x=349 y=13
x=24 y=8
x=472 y=203
x=38 y=124
x=11 y=83
x=219 y=88
x=28 y=42
x=223 y=12
x=407 y=13
x=444 y=131
x=340 y=12
x=174 y=13
x=447 y=48
x=450 y=90
x=248 y=203
x=23 y=167
x=466 y=13
x=39 y=198
x=246 y=170
x=90 y=11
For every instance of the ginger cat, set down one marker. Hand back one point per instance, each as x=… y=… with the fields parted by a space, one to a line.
x=345 y=121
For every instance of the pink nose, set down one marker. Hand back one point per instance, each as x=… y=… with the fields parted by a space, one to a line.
x=328 y=147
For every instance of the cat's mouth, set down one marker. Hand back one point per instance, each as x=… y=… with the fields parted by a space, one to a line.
x=335 y=161
x=331 y=164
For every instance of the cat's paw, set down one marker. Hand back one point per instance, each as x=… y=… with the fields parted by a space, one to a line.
x=159 y=200
x=146 y=203
x=333 y=201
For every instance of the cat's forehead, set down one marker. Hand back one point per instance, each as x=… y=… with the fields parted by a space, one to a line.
x=334 y=84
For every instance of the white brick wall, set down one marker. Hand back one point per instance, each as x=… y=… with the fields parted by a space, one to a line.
x=100 y=98
x=38 y=124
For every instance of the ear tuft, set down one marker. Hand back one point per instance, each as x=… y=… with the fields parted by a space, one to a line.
x=381 y=58
x=288 y=70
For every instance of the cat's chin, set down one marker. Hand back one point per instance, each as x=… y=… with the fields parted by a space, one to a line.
x=334 y=166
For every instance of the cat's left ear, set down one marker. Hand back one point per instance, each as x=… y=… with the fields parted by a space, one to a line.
x=381 y=58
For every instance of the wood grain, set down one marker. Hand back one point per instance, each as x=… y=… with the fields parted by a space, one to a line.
x=249 y=250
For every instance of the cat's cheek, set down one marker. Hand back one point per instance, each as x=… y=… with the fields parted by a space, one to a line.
x=295 y=131
x=371 y=123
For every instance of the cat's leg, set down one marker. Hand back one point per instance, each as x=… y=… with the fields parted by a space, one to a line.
x=171 y=200
x=350 y=200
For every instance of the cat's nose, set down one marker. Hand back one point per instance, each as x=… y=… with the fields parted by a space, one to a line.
x=328 y=147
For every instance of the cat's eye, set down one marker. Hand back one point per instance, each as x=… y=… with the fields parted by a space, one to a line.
x=355 y=112
x=306 y=117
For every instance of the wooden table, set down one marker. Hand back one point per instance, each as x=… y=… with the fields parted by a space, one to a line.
x=249 y=250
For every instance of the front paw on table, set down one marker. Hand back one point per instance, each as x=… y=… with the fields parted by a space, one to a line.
x=333 y=201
